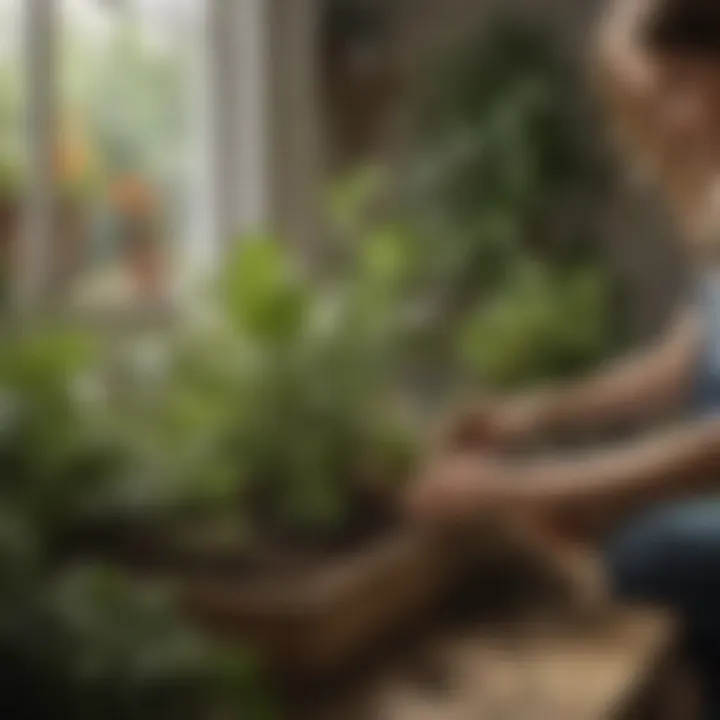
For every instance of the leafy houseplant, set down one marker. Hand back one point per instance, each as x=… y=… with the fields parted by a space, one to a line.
x=89 y=643
x=331 y=360
x=542 y=325
x=82 y=641
x=282 y=407
x=502 y=164
x=52 y=452
x=502 y=145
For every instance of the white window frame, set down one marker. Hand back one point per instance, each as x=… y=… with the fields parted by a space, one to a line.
x=236 y=138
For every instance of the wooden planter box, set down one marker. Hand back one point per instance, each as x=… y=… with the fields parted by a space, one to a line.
x=322 y=620
x=617 y=671
x=304 y=621
x=314 y=619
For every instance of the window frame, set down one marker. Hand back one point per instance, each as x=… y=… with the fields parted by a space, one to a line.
x=234 y=136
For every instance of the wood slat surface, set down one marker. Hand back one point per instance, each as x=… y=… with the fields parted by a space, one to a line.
x=532 y=672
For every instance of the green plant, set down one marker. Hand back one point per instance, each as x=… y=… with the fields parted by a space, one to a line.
x=86 y=642
x=318 y=422
x=501 y=146
x=543 y=324
x=326 y=410
x=11 y=130
x=54 y=455
x=284 y=406
x=503 y=151
x=12 y=180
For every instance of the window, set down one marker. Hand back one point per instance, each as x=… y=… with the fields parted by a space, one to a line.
x=13 y=158
x=129 y=114
x=144 y=139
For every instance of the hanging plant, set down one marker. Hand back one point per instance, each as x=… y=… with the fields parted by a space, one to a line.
x=502 y=142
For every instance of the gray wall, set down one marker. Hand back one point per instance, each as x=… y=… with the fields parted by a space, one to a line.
x=297 y=152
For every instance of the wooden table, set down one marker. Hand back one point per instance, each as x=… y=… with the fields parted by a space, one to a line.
x=535 y=671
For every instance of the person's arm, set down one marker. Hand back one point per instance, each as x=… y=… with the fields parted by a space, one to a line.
x=650 y=383
x=593 y=491
x=645 y=385
x=579 y=494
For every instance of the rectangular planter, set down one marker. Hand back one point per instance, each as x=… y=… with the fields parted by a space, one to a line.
x=319 y=619
x=310 y=624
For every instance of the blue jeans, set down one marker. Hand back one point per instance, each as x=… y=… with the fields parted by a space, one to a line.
x=670 y=556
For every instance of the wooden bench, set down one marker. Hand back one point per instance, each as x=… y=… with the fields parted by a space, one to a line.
x=621 y=671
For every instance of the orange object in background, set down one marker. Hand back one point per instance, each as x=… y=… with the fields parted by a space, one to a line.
x=73 y=157
x=133 y=197
x=137 y=202
x=148 y=267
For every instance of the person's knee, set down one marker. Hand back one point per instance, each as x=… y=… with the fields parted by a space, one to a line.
x=670 y=555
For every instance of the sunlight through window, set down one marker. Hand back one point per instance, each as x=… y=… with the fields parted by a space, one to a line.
x=129 y=149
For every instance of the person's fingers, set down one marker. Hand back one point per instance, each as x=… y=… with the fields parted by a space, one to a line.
x=452 y=488
x=470 y=429
x=437 y=491
x=466 y=430
x=421 y=488
x=423 y=503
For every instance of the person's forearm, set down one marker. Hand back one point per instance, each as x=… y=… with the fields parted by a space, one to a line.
x=670 y=464
x=645 y=386
x=622 y=393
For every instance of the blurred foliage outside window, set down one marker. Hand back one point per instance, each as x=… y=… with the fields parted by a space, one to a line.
x=128 y=145
x=130 y=113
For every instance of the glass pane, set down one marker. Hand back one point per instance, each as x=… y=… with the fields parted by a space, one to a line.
x=129 y=120
x=13 y=157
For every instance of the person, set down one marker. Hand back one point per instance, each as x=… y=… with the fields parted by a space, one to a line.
x=654 y=499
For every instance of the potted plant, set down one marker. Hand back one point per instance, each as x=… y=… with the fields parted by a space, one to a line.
x=265 y=441
x=81 y=639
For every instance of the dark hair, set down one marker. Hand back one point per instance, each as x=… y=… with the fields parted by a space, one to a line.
x=689 y=27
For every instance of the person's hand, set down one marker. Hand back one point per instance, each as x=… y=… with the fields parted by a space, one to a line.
x=459 y=487
x=497 y=426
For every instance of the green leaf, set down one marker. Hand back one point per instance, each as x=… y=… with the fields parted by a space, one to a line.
x=350 y=197
x=262 y=292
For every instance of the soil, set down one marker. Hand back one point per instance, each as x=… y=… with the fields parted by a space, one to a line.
x=219 y=548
